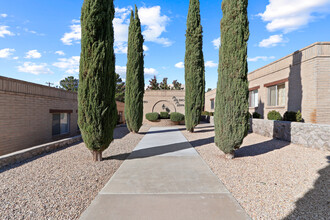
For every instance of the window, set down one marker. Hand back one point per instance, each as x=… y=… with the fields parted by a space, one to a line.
x=276 y=95
x=61 y=123
x=120 y=116
x=253 y=98
x=212 y=103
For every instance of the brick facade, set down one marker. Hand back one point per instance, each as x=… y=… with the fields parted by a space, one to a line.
x=306 y=77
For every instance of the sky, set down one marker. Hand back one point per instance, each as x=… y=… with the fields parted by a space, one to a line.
x=40 y=40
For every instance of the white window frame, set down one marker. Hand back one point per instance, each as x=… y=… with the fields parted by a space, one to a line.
x=256 y=101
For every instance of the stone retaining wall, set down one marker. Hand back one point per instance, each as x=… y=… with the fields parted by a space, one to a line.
x=25 y=154
x=163 y=123
x=306 y=134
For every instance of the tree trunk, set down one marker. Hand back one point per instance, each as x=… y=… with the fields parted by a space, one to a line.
x=97 y=156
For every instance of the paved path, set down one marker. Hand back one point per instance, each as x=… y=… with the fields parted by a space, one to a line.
x=164 y=178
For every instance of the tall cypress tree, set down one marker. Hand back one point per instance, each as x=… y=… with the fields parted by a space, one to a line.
x=97 y=79
x=194 y=67
x=134 y=75
x=231 y=107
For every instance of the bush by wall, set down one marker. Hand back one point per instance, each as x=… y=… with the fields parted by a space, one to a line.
x=256 y=115
x=274 y=115
x=299 y=117
x=205 y=113
x=211 y=113
x=289 y=116
x=177 y=117
x=152 y=116
x=164 y=115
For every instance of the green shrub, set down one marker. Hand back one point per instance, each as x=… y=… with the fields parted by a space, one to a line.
x=164 y=115
x=205 y=113
x=256 y=115
x=250 y=116
x=274 y=115
x=176 y=117
x=211 y=113
x=289 y=116
x=152 y=116
x=299 y=116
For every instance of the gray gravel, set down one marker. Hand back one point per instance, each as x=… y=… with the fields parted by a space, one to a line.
x=62 y=184
x=271 y=179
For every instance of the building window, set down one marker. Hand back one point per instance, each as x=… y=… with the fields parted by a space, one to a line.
x=120 y=117
x=276 y=95
x=61 y=123
x=253 y=98
x=212 y=104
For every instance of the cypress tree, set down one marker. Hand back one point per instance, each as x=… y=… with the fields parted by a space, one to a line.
x=194 y=67
x=96 y=94
x=231 y=106
x=134 y=75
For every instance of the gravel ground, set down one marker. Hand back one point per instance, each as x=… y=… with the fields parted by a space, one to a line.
x=62 y=184
x=271 y=179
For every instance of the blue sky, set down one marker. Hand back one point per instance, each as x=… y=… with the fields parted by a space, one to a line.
x=40 y=40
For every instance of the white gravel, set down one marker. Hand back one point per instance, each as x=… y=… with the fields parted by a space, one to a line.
x=62 y=184
x=271 y=179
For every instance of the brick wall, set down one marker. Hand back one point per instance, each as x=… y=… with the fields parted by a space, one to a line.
x=25 y=118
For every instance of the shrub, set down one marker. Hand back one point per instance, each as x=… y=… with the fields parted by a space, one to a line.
x=299 y=117
x=205 y=113
x=152 y=116
x=289 y=116
x=250 y=116
x=211 y=113
x=274 y=115
x=256 y=115
x=164 y=115
x=176 y=117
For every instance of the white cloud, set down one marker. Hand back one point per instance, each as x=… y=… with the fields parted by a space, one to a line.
x=4 y=31
x=60 y=52
x=263 y=58
x=179 y=65
x=33 y=54
x=216 y=43
x=155 y=24
x=35 y=69
x=70 y=65
x=210 y=64
x=272 y=41
x=3 y=15
x=7 y=52
x=145 y=48
x=150 y=71
x=74 y=35
x=121 y=70
x=15 y=58
x=291 y=15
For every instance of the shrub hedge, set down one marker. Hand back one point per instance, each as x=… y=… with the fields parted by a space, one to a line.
x=274 y=115
x=164 y=115
x=152 y=116
x=289 y=116
x=205 y=113
x=256 y=115
x=176 y=117
x=299 y=116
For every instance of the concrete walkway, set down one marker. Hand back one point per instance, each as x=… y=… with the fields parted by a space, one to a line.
x=164 y=178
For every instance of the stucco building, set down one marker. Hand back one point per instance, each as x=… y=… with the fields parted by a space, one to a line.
x=299 y=81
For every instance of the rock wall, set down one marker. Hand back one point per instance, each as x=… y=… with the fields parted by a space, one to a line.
x=306 y=134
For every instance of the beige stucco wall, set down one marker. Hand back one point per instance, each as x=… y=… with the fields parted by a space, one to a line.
x=208 y=97
x=307 y=86
x=163 y=100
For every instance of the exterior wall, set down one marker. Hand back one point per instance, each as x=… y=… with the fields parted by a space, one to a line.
x=306 y=75
x=208 y=97
x=163 y=100
x=121 y=111
x=25 y=118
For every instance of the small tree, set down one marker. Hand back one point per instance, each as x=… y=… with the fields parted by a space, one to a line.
x=176 y=85
x=70 y=84
x=97 y=114
x=231 y=106
x=163 y=85
x=194 y=67
x=120 y=89
x=134 y=75
x=153 y=84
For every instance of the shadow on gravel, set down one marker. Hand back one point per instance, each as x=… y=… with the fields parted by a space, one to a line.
x=203 y=130
x=316 y=203
x=162 y=131
x=260 y=148
x=120 y=132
